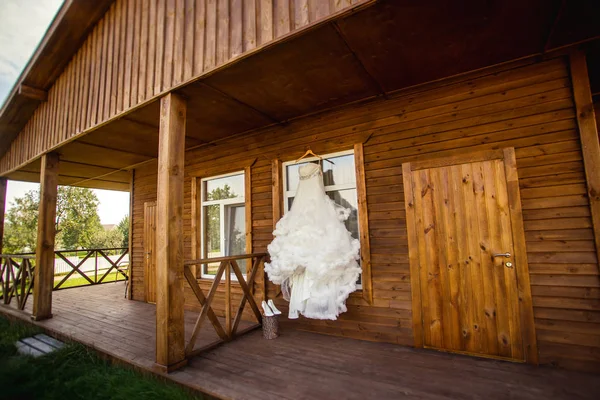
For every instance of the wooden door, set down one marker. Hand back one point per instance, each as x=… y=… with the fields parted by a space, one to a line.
x=150 y=251
x=463 y=224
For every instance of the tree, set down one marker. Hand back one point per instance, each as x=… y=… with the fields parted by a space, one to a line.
x=107 y=239
x=123 y=227
x=77 y=220
x=213 y=214
x=20 y=226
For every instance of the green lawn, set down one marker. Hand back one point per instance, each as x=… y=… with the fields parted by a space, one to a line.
x=81 y=281
x=71 y=373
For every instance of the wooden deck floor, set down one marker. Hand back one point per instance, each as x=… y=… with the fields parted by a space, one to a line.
x=301 y=365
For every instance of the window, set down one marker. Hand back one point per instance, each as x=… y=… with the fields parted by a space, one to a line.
x=339 y=178
x=223 y=230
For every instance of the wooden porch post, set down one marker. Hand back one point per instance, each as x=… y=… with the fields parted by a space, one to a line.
x=588 y=133
x=3 y=183
x=170 y=339
x=44 y=254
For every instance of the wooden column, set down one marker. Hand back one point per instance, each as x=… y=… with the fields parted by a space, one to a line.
x=3 y=183
x=170 y=339
x=44 y=254
x=130 y=244
x=588 y=133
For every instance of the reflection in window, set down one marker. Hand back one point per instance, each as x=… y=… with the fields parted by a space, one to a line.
x=223 y=220
x=339 y=178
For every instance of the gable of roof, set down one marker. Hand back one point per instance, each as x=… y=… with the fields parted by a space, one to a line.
x=67 y=32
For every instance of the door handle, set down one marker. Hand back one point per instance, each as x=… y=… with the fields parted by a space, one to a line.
x=505 y=255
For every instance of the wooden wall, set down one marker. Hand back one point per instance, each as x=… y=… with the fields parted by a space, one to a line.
x=142 y=48
x=525 y=106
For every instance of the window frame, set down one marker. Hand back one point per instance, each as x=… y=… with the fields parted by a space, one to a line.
x=240 y=200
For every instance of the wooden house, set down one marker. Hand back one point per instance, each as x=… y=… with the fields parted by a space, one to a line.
x=463 y=135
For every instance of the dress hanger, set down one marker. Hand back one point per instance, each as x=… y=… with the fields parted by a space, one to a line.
x=309 y=152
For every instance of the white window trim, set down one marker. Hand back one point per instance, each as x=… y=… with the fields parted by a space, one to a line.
x=240 y=200
x=291 y=193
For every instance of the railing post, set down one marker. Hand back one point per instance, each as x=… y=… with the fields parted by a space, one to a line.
x=2 y=209
x=6 y=281
x=44 y=271
x=228 y=299
x=22 y=283
x=96 y=266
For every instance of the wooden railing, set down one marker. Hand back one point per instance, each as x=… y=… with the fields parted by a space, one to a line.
x=16 y=278
x=17 y=272
x=95 y=254
x=226 y=266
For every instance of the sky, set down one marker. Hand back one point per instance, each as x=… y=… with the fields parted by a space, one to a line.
x=22 y=26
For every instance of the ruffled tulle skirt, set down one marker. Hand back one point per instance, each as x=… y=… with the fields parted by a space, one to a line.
x=314 y=257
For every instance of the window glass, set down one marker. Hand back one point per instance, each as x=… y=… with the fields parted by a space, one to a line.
x=235 y=238
x=223 y=220
x=292 y=176
x=340 y=172
x=228 y=187
x=212 y=229
x=212 y=236
x=347 y=199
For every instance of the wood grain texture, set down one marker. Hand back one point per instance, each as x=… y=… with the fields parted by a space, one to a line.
x=363 y=223
x=129 y=294
x=150 y=252
x=413 y=253
x=44 y=254
x=526 y=106
x=527 y=324
x=125 y=331
x=277 y=191
x=142 y=48
x=3 y=183
x=588 y=132
x=195 y=225
x=170 y=350
x=248 y=207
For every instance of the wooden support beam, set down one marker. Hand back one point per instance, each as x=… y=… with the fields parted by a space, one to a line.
x=3 y=182
x=363 y=221
x=129 y=293
x=588 y=133
x=33 y=93
x=238 y=101
x=170 y=339
x=44 y=254
x=374 y=82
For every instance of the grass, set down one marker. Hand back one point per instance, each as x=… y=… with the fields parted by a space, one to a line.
x=81 y=281
x=73 y=372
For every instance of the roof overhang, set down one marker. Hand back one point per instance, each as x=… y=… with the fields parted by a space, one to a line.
x=373 y=52
x=64 y=37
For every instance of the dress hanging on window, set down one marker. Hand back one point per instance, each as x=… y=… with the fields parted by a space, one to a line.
x=313 y=256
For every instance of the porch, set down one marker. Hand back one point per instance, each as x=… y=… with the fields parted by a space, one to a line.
x=298 y=364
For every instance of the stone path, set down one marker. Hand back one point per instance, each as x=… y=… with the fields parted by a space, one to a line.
x=38 y=345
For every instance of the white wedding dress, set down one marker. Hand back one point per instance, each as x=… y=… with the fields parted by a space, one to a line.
x=313 y=256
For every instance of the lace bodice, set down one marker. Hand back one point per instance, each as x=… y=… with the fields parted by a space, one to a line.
x=309 y=170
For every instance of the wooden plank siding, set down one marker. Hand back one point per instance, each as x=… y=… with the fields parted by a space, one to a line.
x=143 y=48
x=528 y=106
